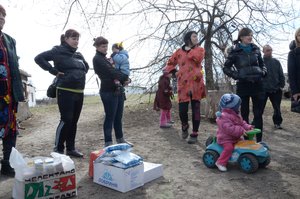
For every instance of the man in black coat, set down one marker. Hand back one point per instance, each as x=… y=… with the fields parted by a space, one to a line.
x=273 y=84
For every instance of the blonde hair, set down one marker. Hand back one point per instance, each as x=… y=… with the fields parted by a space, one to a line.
x=297 y=33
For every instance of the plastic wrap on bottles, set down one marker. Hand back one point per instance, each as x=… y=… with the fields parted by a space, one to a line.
x=26 y=167
x=33 y=173
x=119 y=155
x=122 y=146
x=129 y=159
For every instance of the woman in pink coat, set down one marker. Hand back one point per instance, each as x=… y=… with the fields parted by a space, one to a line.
x=190 y=84
x=231 y=127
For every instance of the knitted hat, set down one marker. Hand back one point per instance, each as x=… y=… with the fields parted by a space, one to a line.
x=231 y=101
x=118 y=46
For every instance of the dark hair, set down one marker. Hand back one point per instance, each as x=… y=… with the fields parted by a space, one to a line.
x=69 y=33
x=187 y=37
x=118 y=46
x=2 y=10
x=99 y=41
x=244 y=32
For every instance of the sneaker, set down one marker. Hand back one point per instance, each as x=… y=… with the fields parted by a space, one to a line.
x=122 y=140
x=171 y=122
x=221 y=167
x=108 y=144
x=75 y=153
x=58 y=151
x=185 y=132
x=167 y=125
x=277 y=126
x=192 y=140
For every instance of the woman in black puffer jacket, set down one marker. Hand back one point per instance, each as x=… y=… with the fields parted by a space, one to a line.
x=294 y=66
x=70 y=69
x=244 y=63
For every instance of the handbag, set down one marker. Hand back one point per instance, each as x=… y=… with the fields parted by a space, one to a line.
x=51 y=91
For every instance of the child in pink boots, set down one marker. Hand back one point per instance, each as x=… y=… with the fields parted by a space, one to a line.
x=231 y=127
x=162 y=100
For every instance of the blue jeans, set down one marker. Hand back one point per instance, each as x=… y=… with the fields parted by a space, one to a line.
x=113 y=106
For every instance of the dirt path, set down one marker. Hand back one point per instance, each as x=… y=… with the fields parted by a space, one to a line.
x=185 y=176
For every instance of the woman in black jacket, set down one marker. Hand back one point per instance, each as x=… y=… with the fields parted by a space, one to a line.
x=294 y=66
x=70 y=69
x=244 y=63
x=111 y=96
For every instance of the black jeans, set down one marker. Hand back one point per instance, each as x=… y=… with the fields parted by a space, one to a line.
x=9 y=142
x=183 y=114
x=70 y=105
x=113 y=106
x=275 y=98
x=258 y=104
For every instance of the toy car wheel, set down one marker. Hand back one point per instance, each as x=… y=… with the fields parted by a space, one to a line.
x=209 y=140
x=265 y=163
x=209 y=158
x=248 y=163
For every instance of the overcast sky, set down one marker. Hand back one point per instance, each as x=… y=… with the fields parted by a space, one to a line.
x=37 y=25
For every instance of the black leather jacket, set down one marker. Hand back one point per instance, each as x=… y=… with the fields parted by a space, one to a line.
x=294 y=68
x=66 y=60
x=107 y=73
x=243 y=66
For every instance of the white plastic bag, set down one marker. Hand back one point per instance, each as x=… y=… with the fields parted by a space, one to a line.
x=17 y=162
x=16 y=159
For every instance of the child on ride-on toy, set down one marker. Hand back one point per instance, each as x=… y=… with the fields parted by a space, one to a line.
x=231 y=127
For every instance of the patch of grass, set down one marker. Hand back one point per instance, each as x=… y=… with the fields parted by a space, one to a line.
x=90 y=100
x=44 y=109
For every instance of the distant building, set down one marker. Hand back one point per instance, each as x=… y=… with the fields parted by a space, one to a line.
x=29 y=93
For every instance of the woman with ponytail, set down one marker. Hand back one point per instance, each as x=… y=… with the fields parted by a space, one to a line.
x=244 y=63
x=70 y=69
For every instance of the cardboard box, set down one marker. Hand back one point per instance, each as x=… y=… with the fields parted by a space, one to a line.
x=93 y=156
x=152 y=171
x=47 y=186
x=122 y=180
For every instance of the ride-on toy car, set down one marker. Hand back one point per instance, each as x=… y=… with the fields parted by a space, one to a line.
x=247 y=153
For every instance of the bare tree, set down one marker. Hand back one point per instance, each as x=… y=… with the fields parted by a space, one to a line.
x=164 y=22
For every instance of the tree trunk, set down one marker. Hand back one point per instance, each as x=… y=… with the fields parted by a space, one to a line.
x=208 y=62
x=213 y=96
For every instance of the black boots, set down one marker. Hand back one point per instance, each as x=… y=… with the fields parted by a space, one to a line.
x=6 y=169
x=75 y=153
